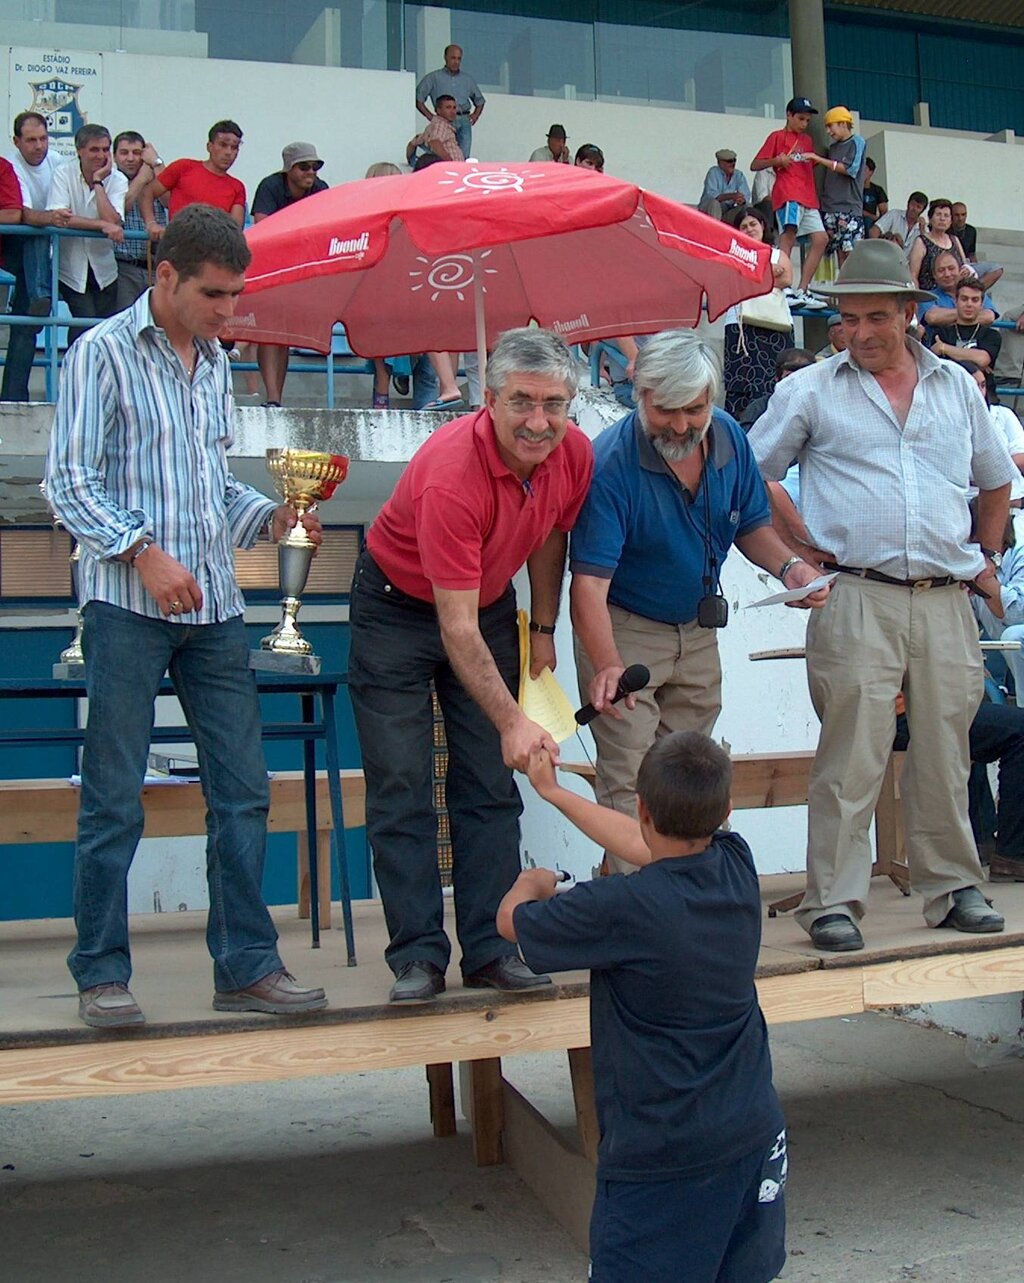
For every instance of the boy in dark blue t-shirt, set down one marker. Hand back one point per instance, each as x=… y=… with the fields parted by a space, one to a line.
x=692 y=1159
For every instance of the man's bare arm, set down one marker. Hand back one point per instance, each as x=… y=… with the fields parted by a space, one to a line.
x=457 y=614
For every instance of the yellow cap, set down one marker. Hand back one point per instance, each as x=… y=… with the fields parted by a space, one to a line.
x=838 y=115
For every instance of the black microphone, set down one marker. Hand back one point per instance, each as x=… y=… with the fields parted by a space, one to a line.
x=635 y=678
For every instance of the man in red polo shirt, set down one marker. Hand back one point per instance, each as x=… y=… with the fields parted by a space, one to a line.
x=432 y=601
x=199 y=182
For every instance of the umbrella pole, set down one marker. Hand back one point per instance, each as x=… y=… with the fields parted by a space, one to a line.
x=481 y=327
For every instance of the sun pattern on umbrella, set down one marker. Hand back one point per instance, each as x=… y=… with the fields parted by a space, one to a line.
x=450 y=272
x=487 y=181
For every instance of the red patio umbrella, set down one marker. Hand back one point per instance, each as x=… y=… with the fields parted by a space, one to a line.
x=449 y=258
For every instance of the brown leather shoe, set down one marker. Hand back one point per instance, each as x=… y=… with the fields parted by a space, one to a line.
x=1003 y=868
x=508 y=973
x=109 y=1007
x=277 y=994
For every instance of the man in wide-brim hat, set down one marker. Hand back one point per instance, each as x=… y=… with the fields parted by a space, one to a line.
x=889 y=438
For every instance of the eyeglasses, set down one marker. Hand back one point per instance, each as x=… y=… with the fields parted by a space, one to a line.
x=307 y=165
x=555 y=408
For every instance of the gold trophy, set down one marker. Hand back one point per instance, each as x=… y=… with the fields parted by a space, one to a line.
x=303 y=478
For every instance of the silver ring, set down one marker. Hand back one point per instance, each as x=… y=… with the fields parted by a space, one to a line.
x=176 y=607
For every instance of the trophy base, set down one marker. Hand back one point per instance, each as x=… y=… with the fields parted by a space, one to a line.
x=68 y=672
x=279 y=661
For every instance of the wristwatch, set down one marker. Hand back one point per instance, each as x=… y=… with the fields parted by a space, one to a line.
x=787 y=566
x=996 y=558
x=548 y=630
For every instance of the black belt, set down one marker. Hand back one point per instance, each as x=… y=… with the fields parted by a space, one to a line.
x=468 y=112
x=876 y=576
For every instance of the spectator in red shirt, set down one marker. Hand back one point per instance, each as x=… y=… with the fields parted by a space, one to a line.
x=10 y=196
x=432 y=602
x=794 y=195
x=205 y=182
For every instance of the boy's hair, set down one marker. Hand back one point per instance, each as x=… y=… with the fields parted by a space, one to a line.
x=224 y=127
x=200 y=234
x=685 y=781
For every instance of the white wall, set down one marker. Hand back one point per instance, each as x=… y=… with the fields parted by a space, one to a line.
x=357 y=117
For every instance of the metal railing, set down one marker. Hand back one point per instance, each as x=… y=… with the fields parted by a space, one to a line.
x=53 y=322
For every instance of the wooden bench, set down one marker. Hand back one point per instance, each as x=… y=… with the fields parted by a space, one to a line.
x=47 y=811
x=762 y=780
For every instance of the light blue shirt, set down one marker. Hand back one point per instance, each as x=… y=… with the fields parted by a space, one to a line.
x=462 y=87
x=717 y=181
x=139 y=449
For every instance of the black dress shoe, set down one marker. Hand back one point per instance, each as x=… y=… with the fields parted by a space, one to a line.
x=401 y=382
x=508 y=972
x=417 y=982
x=971 y=912
x=836 y=933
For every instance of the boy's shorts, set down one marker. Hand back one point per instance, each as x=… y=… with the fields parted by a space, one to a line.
x=804 y=219
x=844 y=231
x=724 y=1226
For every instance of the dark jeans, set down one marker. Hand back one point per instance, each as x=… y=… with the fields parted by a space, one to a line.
x=95 y=300
x=396 y=651
x=996 y=735
x=20 y=254
x=126 y=656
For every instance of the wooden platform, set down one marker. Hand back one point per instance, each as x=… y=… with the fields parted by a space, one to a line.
x=46 y=1054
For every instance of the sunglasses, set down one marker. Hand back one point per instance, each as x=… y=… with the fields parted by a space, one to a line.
x=307 y=165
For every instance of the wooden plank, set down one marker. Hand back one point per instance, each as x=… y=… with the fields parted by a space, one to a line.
x=811 y=995
x=483 y=1105
x=945 y=978
x=127 y=1065
x=47 y=810
x=441 y=1086
x=560 y=1177
x=758 y=779
x=581 y=1071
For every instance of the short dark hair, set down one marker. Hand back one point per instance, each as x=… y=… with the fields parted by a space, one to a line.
x=919 y=198
x=87 y=133
x=590 y=151
x=200 y=234
x=22 y=119
x=684 y=781
x=791 y=359
x=870 y=163
x=128 y=136
x=940 y=202
x=737 y=215
x=969 y=283
x=444 y=98
x=224 y=127
x=425 y=161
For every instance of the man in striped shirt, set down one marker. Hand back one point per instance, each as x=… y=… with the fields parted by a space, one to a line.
x=138 y=473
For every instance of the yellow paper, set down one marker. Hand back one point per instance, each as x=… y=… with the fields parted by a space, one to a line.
x=541 y=698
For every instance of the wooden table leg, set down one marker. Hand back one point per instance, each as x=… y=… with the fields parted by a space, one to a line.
x=581 y=1071
x=442 y=1099
x=481 y=1085
x=323 y=864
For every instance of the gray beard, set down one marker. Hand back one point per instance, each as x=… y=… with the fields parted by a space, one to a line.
x=673 y=448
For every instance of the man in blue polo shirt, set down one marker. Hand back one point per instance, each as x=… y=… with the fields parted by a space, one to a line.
x=675 y=486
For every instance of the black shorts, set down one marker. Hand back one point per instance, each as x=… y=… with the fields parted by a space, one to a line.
x=723 y=1226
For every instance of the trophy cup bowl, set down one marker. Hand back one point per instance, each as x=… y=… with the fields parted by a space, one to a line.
x=303 y=478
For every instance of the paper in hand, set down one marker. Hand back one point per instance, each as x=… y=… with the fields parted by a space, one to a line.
x=794 y=594
x=541 y=698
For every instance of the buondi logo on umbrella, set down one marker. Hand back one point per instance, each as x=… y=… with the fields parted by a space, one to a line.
x=354 y=247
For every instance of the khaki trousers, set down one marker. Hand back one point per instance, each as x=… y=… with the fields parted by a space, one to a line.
x=867 y=642
x=684 y=694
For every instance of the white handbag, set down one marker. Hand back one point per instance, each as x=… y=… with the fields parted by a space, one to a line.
x=767 y=311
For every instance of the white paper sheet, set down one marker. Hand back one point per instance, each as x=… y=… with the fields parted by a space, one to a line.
x=794 y=594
